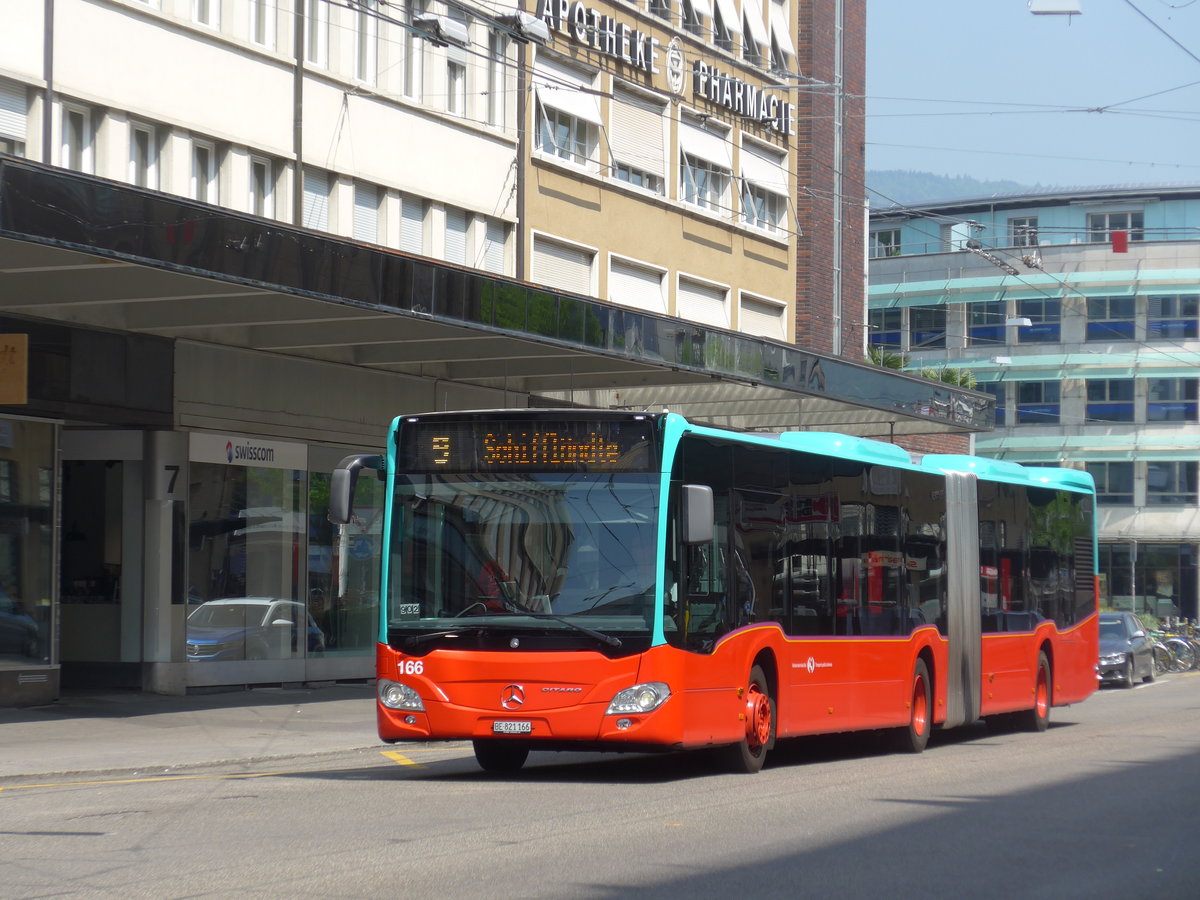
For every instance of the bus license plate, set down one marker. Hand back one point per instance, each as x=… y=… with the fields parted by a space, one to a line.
x=510 y=727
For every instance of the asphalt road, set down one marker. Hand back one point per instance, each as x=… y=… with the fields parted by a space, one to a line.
x=1102 y=805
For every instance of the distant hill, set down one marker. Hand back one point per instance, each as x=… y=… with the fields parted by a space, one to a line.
x=888 y=187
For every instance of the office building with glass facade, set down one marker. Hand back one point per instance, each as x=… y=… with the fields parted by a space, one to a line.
x=1079 y=311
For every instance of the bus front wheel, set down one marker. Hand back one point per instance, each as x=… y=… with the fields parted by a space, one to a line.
x=749 y=754
x=500 y=757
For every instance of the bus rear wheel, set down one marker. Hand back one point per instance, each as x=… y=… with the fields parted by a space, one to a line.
x=915 y=737
x=500 y=757
x=749 y=754
x=1038 y=718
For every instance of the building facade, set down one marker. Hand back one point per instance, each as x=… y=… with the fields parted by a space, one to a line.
x=1079 y=311
x=237 y=237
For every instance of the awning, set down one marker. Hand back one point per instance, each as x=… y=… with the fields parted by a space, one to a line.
x=97 y=253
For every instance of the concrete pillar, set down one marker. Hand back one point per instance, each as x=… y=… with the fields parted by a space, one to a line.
x=165 y=478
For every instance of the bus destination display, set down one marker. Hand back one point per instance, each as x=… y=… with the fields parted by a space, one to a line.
x=528 y=446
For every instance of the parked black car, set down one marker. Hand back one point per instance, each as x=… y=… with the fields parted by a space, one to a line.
x=1126 y=649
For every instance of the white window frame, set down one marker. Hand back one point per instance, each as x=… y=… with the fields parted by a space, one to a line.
x=692 y=16
x=317 y=203
x=783 y=51
x=262 y=190
x=205 y=182
x=765 y=187
x=366 y=41
x=1023 y=231
x=81 y=158
x=778 y=309
x=143 y=155
x=637 y=138
x=14 y=113
x=414 y=52
x=539 y=274
x=414 y=217
x=366 y=221
x=493 y=254
x=207 y=13
x=878 y=248
x=316 y=33
x=756 y=42
x=262 y=13
x=565 y=103
x=655 y=302
x=457 y=70
x=456 y=242
x=727 y=25
x=705 y=167
x=703 y=286
x=497 y=78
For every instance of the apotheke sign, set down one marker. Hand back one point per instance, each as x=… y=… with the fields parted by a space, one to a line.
x=634 y=47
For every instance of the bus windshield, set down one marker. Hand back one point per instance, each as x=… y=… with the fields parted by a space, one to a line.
x=538 y=550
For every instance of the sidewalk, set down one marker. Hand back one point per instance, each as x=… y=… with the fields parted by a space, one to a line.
x=97 y=731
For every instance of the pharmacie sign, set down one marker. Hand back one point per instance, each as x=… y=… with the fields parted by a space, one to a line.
x=621 y=41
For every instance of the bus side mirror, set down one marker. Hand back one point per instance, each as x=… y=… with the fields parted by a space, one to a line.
x=698 y=514
x=342 y=483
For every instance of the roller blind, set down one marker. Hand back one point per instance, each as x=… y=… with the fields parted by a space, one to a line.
x=637 y=132
x=13 y=110
x=702 y=303
x=639 y=286
x=562 y=266
x=412 y=225
x=456 y=235
x=763 y=318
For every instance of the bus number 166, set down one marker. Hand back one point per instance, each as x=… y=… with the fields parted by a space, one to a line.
x=411 y=666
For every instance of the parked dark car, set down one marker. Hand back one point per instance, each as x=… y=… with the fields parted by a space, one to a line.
x=250 y=628
x=1126 y=649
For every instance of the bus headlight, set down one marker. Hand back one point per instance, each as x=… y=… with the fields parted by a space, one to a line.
x=641 y=698
x=395 y=695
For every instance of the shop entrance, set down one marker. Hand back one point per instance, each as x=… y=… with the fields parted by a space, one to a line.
x=100 y=642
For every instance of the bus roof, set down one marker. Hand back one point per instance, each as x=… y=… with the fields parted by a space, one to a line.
x=1011 y=472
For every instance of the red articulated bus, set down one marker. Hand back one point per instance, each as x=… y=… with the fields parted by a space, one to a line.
x=601 y=580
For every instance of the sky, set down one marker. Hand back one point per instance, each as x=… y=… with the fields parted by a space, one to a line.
x=987 y=89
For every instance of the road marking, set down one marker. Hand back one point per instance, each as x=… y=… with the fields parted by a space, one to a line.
x=401 y=759
x=54 y=784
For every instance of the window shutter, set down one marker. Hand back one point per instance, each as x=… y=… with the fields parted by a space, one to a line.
x=763 y=318
x=638 y=286
x=366 y=213
x=456 y=235
x=412 y=225
x=637 y=133
x=493 y=247
x=561 y=266
x=316 y=200
x=13 y=110
x=702 y=303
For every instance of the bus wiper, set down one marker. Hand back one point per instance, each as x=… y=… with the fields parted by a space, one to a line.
x=598 y=635
x=417 y=639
